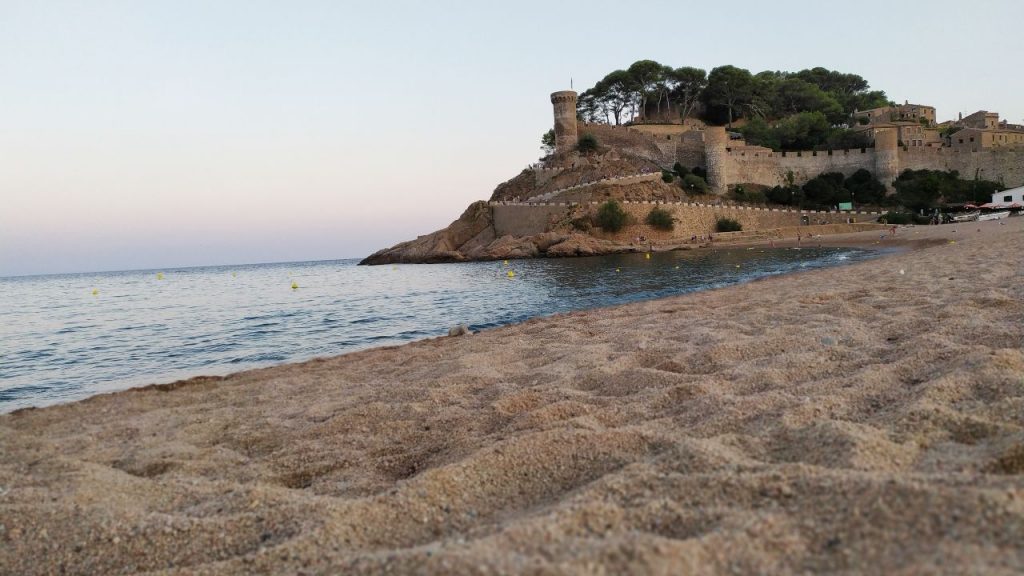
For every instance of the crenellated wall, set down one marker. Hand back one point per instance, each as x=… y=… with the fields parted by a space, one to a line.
x=772 y=168
x=886 y=160
x=690 y=218
x=733 y=162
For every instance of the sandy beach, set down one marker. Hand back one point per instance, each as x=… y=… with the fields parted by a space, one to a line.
x=861 y=419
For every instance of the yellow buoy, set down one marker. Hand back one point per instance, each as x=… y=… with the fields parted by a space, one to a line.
x=159 y=275
x=511 y=274
x=648 y=255
x=505 y=262
x=677 y=267
x=737 y=265
x=95 y=291
x=617 y=270
x=295 y=285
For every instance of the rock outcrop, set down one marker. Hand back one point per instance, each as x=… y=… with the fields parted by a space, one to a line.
x=472 y=237
x=473 y=230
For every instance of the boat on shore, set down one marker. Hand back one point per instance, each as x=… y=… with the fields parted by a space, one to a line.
x=966 y=217
x=994 y=216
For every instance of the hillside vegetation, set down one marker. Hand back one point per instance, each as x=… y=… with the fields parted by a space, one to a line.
x=782 y=110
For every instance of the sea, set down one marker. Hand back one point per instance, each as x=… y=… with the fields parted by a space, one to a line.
x=65 y=337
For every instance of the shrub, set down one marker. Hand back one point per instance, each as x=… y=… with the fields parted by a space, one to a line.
x=611 y=217
x=786 y=195
x=587 y=144
x=743 y=195
x=660 y=219
x=728 y=225
x=680 y=170
x=582 y=224
x=667 y=176
x=694 y=184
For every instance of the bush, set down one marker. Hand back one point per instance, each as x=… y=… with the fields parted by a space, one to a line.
x=728 y=225
x=680 y=170
x=786 y=195
x=587 y=144
x=582 y=224
x=660 y=219
x=667 y=176
x=741 y=194
x=611 y=217
x=694 y=184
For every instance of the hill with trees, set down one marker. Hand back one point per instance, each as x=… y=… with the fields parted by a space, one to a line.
x=781 y=110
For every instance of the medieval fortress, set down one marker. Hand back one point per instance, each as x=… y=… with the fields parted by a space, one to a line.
x=905 y=137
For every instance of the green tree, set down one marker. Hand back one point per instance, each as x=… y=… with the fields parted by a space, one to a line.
x=645 y=76
x=611 y=217
x=825 y=190
x=547 y=142
x=864 y=188
x=920 y=189
x=793 y=95
x=610 y=97
x=785 y=195
x=687 y=86
x=729 y=89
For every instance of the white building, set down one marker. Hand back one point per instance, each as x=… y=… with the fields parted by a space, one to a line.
x=1011 y=196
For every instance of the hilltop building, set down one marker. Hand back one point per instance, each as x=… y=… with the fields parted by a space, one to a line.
x=905 y=137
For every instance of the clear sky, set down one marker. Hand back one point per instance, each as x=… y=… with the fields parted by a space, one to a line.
x=140 y=134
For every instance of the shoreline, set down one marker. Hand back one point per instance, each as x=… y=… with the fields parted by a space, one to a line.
x=848 y=240
x=860 y=417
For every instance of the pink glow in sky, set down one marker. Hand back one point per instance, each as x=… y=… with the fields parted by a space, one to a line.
x=161 y=134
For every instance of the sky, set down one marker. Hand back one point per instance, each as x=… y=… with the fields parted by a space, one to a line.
x=144 y=135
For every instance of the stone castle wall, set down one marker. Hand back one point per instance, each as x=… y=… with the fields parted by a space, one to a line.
x=773 y=168
x=768 y=168
x=690 y=218
x=711 y=149
x=1004 y=165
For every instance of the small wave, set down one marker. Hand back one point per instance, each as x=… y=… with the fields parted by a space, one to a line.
x=255 y=358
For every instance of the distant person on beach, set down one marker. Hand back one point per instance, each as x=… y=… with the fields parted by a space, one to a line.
x=892 y=231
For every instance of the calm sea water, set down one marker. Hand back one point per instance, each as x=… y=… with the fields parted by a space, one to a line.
x=66 y=337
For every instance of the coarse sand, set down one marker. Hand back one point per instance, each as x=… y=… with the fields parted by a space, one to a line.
x=861 y=419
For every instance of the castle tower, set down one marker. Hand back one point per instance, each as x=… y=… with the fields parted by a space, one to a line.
x=887 y=156
x=564 y=103
x=716 y=140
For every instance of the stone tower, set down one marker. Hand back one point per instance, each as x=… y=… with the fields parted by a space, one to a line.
x=564 y=103
x=716 y=140
x=887 y=156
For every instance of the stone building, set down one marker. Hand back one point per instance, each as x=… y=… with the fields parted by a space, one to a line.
x=995 y=153
x=983 y=130
x=906 y=112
